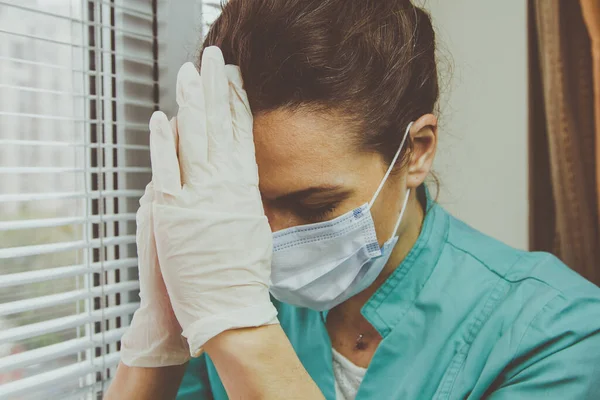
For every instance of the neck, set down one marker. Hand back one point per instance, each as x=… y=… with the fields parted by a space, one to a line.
x=408 y=233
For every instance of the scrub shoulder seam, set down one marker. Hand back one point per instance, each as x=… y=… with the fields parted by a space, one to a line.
x=521 y=257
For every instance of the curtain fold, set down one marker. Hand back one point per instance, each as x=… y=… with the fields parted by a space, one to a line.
x=563 y=141
x=591 y=16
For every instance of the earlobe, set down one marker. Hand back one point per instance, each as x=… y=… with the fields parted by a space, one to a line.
x=423 y=135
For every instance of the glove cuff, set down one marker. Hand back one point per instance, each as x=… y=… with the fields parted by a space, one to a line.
x=152 y=342
x=205 y=329
x=133 y=358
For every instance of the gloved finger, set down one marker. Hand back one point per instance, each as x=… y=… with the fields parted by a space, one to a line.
x=218 y=116
x=191 y=125
x=148 y=196
x=173 y=123
x=163 y=154
x=240 y=107
x=144 y=230
x=242 y=121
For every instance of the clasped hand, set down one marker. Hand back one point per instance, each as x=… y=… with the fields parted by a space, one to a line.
x=204 y=243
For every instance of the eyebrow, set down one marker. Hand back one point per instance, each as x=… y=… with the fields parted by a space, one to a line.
x=299 y=195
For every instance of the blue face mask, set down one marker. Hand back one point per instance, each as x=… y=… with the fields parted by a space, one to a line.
x=321 y=265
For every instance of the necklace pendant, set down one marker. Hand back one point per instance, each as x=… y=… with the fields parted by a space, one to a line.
x=360 y=345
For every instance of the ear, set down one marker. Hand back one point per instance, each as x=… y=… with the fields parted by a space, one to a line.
x=423 y=134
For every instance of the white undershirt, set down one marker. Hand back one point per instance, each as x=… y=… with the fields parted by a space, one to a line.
x=347 y=377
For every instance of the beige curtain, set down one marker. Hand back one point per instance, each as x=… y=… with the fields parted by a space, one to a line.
x=591 y=16
x=564 y=146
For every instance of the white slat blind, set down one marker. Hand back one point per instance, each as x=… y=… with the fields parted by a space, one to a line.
x=78 y=83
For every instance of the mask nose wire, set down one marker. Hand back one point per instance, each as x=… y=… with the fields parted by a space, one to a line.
x=389 y=171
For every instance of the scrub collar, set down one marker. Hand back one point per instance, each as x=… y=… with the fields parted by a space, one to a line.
x=394 y=297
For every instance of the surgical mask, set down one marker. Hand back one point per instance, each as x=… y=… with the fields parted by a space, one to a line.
x=321 y=265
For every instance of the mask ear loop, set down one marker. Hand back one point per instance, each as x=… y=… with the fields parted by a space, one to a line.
x=401 y=213
x=389 y=171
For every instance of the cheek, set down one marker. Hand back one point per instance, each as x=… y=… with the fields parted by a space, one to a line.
x=383 y=224
x=386 y=210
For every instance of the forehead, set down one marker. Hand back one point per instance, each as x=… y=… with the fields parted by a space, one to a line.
x=300 y=149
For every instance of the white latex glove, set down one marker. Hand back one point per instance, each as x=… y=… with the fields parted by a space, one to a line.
x=154 y=337
x=213 y=239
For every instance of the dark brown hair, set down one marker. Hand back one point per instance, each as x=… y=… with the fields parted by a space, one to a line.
x=373 y=60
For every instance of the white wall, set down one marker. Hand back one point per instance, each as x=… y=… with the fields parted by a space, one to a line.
x=180 y=36
x=181 y=25
x=482 y=158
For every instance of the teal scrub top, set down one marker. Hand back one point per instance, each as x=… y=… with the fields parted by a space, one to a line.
x=463 y=317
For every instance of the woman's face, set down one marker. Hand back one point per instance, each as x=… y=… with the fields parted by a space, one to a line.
x=310 y=171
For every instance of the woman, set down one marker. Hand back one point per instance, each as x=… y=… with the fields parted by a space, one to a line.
x=378 y=293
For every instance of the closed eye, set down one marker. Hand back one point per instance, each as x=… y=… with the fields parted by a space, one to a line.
x=313 y=214
x=313 y=204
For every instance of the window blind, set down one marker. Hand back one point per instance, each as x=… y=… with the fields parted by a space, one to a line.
x=78 y=83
